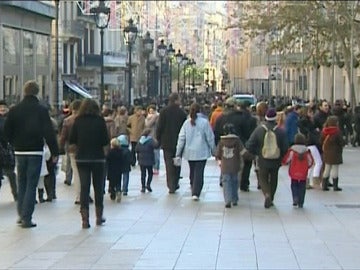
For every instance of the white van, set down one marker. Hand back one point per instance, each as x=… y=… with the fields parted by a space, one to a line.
x=246 y=97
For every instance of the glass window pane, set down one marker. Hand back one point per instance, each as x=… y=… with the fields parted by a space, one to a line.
x=42 y=50
x=11 y=45
x=28 y=40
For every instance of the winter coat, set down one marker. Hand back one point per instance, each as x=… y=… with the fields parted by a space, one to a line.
x=126 y=159
x=121 y=124
x=170 y=121
x=27 y=125
x=320 y=119
x=291 y=126
x=229 y=152
x=110 y=126
x=215 y=115
x=256 y=141
x=145 y=151
x=89 y=134
x=195 y=142
x=114 y=161
x=136 y=125
x=308 y=129
x=332 y=145
x=151 y=122
x=65 y=131
x=300 y=160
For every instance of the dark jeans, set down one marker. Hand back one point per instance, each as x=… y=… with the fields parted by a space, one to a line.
x=268 y=178
x=125 y=178
x=28 y=171
x=245 y=174
x=172 y=172
x=149 y=170
x=298 y=190
x=94 y=171
x=133 y=153
x=197 y=176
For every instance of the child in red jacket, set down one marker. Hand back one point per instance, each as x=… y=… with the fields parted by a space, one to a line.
x=300 y=160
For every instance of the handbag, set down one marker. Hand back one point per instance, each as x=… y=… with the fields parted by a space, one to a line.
x=7 y=155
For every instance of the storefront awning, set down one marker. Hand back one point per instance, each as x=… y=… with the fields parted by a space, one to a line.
x=77 y=88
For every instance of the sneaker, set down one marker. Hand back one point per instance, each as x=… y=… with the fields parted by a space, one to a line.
x=234 y=203
x=27 y=225
x=118 y=196
x=195 y=198
x=124 y=193
x=228 y=205
x=149 y=188
x=113 y=196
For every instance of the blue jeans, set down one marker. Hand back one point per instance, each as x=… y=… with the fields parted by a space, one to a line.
x=157 y=159
x=230 y=187
x=28 y=171
x=125 y=178
x=298 y=190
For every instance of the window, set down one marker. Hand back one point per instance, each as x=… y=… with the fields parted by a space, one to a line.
x=92 y=33
x=72 y=58
x=65 y=56
x=11 y=45
x=28 y=40
x=86 y=41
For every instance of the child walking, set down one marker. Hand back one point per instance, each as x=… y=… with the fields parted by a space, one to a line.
x=113 y=160
x=300 y=160
x=125 y=166
x=332 y=145
x=228 y=154
x=146 y=158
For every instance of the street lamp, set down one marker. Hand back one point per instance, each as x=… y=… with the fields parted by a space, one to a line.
x=148 y=47
x=161 y=48
x=179 y=57
x=193 y=73
x=184 y=63
x=130 y=35
x=101 y=17
x=170 y=53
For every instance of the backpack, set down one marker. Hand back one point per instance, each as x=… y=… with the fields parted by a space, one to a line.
x=270 y=149
x=299 y=166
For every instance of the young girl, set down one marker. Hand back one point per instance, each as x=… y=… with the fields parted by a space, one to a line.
x=146 y=158
x=300 y=160
x=126 y=159
x=332 y=145
x=113 y=160
x=228 y=154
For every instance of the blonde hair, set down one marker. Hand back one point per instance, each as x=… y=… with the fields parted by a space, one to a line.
x=114 y=143
x=280 y=118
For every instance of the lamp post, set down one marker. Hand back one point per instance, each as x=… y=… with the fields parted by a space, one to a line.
x=130 y=35
x=101 y=17
x=170 y=53
x=148 y=47
x=179 y=57
x=185 y=62
x=57 y=54
x=161 y=48
x=193 y=74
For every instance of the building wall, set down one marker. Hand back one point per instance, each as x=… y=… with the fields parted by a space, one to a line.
x=25 y=48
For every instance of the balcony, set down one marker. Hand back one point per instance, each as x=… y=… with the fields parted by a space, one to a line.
x=71 y=29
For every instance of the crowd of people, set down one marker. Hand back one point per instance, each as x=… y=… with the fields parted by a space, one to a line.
x=103 y=143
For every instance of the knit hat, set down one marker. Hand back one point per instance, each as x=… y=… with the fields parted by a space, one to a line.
x=123 y=140
x=270 y=115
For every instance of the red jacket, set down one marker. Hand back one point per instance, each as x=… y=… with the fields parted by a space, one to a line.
x=300 y=160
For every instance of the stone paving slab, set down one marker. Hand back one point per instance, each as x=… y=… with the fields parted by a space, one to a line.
x=161 y=231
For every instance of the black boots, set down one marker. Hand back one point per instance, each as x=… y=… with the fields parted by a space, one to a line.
x=336 y=184
x=99 y=216
x=85 y=218
x=41 y=195
x=325 y=184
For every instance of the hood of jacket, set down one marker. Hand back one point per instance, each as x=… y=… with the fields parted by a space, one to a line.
x=229 y=140
x=299 y=148
x=144 y=139
x=330 y=130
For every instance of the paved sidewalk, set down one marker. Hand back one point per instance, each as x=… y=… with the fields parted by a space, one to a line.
x=161 y=231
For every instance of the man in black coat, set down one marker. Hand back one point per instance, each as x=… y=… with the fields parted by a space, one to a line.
x=27 y=126
x=171 y=119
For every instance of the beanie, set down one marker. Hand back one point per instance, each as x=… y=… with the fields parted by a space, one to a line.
x=270 y=115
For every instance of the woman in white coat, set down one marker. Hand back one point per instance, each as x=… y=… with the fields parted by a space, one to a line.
x=196 y=144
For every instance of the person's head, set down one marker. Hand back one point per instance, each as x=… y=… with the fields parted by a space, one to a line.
x=229 y=128
x=297 y=108
x=174 y=98
x=123 y=140
x=138 y=110
x=122 y=110
x=219 y=104
x=151 y=109
x=194 y=110
x=300 y=139
x=261 y=109
x=332 y=121
x=230 y=103
x=324 y=106
x=31 y=88
x=270 y=115
x=114 y=143
x=89 y=107
x=75 y=106
x=3 y=107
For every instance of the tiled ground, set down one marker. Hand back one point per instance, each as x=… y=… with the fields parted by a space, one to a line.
x=161 y=231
